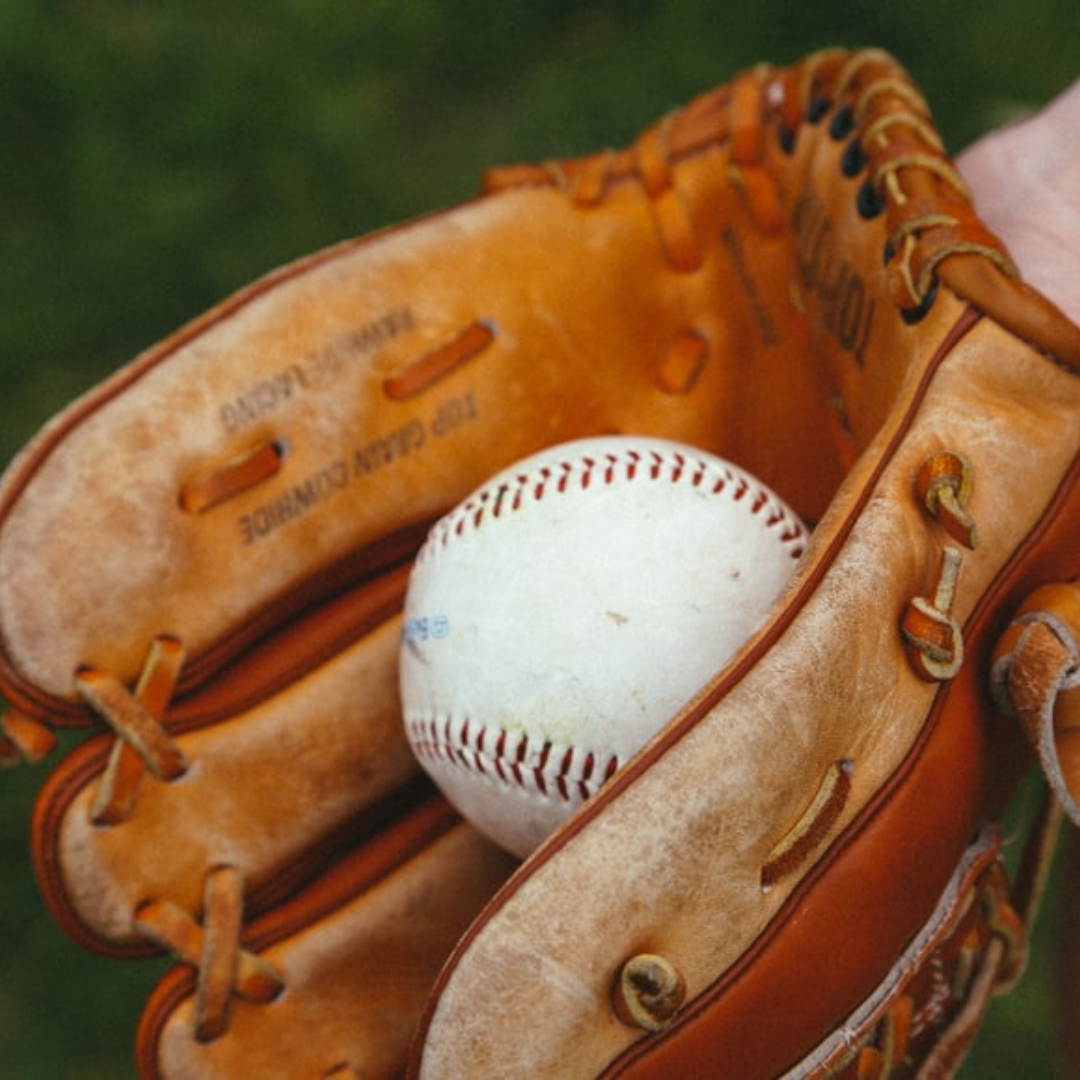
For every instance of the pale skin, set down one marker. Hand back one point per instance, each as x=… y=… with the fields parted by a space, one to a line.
x=1026 y=182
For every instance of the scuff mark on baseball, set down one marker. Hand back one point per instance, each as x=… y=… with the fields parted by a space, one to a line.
x=522 y=692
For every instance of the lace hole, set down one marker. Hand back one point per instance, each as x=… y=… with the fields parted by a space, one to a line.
x=819 y=106
x=786 y=138
x=911 y=316
x=854 y=159
x=842 y=124
x=869 y=202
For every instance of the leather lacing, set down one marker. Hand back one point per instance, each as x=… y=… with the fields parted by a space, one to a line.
x=211 y=943
x=891 y=140
x=213 y=949
x=211 y=946
x=254 y=466
x=135 y=717
x=931 y=1016
x=142 y=744
x=22 y=738
x=1035 y=676
x=210 y=939
x=796 y=845
x=908 y=177
x=218 y=483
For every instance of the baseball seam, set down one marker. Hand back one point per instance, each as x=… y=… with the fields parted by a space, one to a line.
x=513 y=758
x=512 y=495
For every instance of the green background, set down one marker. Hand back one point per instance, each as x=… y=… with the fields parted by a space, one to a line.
x=155 y=157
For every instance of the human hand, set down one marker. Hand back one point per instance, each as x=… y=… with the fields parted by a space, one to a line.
x=1026 y=182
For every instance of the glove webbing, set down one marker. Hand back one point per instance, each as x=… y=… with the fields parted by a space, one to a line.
x=926 y=1014
x=892 y=141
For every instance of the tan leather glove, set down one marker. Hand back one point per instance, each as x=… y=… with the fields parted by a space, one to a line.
x=202 y=562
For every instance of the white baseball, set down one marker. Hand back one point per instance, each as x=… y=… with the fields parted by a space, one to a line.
x=564 y=612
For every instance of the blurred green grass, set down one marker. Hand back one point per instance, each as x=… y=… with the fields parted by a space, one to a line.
x=153 y=158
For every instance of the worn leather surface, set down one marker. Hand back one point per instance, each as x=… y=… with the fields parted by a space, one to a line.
x=354 y=978
x=828 y=681
x=746 y=759
x=786 y=273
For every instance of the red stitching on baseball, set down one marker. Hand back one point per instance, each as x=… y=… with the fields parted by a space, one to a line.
x=512 y=495
x=511 y=757
x=586 y=475
x=554 y=773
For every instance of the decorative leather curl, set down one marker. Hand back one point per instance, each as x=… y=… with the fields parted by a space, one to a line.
x=1034 y=677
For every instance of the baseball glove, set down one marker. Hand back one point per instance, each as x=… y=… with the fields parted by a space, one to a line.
x=202 y=563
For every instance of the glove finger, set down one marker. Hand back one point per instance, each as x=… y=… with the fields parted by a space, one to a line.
x=300 y=438
x=356 y=956
x=266 y=791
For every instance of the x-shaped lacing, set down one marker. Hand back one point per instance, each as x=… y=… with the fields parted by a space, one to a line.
x=213 y=948
x=136 y=717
